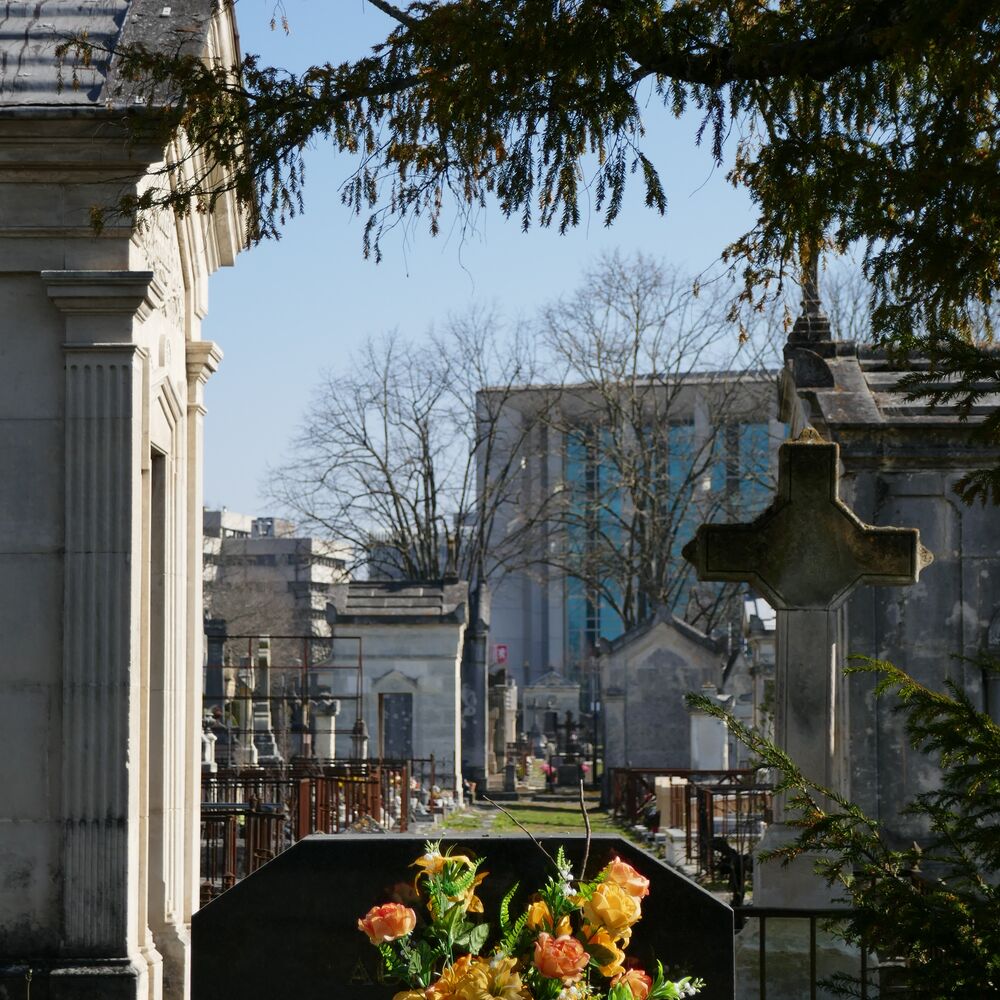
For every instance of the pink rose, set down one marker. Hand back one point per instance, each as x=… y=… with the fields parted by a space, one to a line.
x=387 y=922
x=623 y=874
x=560 y=957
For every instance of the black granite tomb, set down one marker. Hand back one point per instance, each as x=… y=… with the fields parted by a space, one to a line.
x=290 y=929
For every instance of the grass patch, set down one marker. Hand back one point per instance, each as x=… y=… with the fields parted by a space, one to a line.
x=464 y=819
x=551 y=820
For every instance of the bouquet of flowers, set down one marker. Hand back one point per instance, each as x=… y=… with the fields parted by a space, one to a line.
x=568 y=944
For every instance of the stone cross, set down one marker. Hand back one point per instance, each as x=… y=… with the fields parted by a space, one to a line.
x=805 y=554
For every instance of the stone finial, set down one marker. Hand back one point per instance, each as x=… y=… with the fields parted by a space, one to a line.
x=813 y=325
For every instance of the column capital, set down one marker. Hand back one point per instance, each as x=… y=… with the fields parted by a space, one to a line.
x=134 y=293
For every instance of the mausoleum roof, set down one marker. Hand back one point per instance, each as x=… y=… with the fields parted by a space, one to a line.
x=33 y=77
x=551 y=679
x=668 y=619
x=850 y=385
x=401 y=602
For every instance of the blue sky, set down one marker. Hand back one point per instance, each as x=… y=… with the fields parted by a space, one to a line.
x=294 y=307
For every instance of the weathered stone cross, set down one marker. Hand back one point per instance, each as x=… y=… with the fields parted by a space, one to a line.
x=806 y=553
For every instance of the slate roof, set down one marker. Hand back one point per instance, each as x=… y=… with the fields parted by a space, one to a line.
x=30 y=31
x=402 y=602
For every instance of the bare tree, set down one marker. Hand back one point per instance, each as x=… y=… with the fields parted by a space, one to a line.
x=401 y=457
x=662 y=423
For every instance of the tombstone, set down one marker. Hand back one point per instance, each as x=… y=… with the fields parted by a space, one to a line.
x=215 y=647
x=264 y=741
x=709 y=735
x=324 y=716
x=502 y=719
x=301 y=912
x=806 y=553
x=644 y=675
x=208 y=741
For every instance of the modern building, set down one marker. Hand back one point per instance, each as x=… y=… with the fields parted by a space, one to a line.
x=706 y=450
x=262 y=578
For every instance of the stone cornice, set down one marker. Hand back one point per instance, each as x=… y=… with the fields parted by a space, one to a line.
x=202 y=360
x=136 y=293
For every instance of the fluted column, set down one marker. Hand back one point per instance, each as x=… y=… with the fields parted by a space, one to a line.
x=103 y=756
x=202 y=360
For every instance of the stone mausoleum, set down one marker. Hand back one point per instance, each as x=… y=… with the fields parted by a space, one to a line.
x=900 y=460
x=103 y=368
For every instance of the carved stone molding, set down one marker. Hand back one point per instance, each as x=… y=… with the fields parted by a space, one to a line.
x=134 y=293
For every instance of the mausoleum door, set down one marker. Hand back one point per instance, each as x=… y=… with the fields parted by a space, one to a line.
x=396 y=726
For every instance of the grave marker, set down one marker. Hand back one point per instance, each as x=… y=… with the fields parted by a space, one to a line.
x=806 y=554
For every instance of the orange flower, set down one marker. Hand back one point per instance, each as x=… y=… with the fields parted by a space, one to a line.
x=433 y=862
x=636 y=980
x=540 y=919
x=612 y=908
x=451 y=979
x=560 y=957
x=623 y=874
x=410 y=995
x=387 y=922
x=603 y=950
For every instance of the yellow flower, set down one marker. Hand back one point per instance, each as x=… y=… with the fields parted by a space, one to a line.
x=602 y=948
x=495 y=980
x=452 y=977
x=433 y=862
x=410 y=995
x=612 y=908
x=540 y=919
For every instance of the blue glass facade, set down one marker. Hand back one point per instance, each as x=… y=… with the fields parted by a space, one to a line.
x=734 y=476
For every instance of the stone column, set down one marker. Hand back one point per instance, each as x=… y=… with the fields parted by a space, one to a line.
x=102 y=738
x=202 y=361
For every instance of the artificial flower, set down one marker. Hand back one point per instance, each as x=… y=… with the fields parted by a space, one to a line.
x=560 y=957
x=387 y=922
x=602 y=948
x=433 y=862
x=540 y=919
x=623 y=874
x=495 y=980
x=612 y=908
x=446 y=988
x=637 y=981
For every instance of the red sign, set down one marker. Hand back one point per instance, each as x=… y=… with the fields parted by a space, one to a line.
x=500 y=652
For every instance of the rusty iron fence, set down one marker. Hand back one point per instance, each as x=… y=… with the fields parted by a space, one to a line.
x=250 y=816
x=722 y=815
x=870 y=979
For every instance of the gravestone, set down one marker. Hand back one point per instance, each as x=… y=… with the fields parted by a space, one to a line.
x=290 y=929
x=806 y=554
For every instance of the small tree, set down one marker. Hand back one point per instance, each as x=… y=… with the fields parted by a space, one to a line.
x=403 y=459
x=936 y=907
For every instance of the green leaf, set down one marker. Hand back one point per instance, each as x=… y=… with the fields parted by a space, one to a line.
x=505 y=907
x=477 y=937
